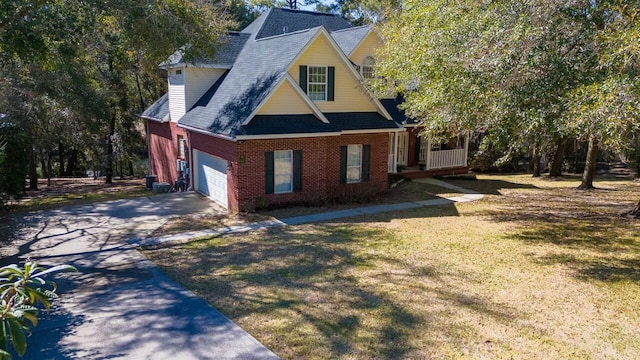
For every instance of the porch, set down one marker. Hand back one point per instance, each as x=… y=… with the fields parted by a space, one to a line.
x=427 y=158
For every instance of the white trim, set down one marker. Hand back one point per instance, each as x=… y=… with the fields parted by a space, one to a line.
x=371 y=30
x=290 y=172
x=347 y=63
x=410 y=125
x=153 y=119
x=359 y=180
x=285 y=136
x=204 y=132
x=370 y=131
x=326 y=82
x=298 y=90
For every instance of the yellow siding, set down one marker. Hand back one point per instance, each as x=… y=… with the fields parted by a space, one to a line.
x=349 y=97
x=285 y=100
x=366 y=48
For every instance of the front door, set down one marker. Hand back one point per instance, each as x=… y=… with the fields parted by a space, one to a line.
x=403 y=148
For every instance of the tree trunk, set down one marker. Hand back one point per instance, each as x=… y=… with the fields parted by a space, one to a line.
x=558 y=157
x=33 y=170
x=72 y=163
x=49 y=168
x=109 y=165
x=535 y=160
x=590 y=166
x=61 y=158
x=635 y=212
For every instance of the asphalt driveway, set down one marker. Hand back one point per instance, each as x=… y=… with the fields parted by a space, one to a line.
x=119 y=305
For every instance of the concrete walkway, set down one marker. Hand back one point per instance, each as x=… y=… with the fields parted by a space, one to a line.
x=467 y=195
x=120 y=305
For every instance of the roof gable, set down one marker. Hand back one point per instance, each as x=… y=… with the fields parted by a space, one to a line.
x=258 y=68
x=323 y=50
x=287 y=98
x=349 y=39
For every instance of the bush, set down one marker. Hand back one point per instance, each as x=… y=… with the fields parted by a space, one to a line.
x=21 y=290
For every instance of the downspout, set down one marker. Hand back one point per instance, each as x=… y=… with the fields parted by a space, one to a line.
x=190 y=162
x=148 y=147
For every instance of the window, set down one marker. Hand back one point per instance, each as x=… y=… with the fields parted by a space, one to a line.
x=178 y=72
x=283 y=171
x=317 y=83
x=181 y=147
x=367 y=68
x=354 y=163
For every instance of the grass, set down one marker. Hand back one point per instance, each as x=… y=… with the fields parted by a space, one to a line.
x=406 y=191
x=534 y=270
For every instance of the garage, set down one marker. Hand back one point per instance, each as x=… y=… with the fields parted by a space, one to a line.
x=211 y=176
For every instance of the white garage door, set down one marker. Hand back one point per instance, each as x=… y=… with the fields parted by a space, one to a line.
x=211 y=176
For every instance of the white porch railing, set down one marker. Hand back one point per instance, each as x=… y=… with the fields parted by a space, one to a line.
x=391 y=163
x=443 y=159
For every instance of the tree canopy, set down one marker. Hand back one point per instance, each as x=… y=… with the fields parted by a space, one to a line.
x=522 y=72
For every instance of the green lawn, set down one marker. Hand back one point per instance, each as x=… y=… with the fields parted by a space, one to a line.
x=534 y=270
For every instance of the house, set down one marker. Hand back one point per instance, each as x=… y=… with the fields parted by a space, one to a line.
x=283 y=114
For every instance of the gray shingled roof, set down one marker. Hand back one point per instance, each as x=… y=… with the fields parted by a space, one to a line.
x=280 y=21
x=259 y=66
x=396 y=113
x=158 y=110
x=260 y=55
x=300 y=124
x=226 y=55
x=348 y=39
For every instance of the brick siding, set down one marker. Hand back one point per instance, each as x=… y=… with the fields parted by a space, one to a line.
x=163 y=152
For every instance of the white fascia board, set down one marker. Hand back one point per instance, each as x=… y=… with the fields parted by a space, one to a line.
x=299 y=91
x=151 y=118
x=286 y=136
x=371 y=131
x=204 y=132
x=363 y=39
x=347 y=64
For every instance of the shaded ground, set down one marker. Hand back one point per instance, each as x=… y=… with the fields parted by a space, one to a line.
x=537 y=269
x=71 y=191
x=119 y=305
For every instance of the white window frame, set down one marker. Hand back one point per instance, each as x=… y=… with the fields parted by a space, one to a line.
x=368 y=63
x=279 y=171
x=310 y=83
x=353 y=165
x=182 y=150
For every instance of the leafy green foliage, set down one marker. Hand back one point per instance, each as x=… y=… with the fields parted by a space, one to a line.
x=13 y=161
x=21 y=290
x=522 y=73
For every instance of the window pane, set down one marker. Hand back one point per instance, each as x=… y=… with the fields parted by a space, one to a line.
x=283 y=170
x=354 y=163
x=317 y=82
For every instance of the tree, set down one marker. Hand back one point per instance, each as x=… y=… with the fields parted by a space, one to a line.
x=525 y=73
x=13 y=161
x=88 y=64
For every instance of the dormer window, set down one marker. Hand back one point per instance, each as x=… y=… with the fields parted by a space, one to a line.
x=317 y=83
x=367 y=68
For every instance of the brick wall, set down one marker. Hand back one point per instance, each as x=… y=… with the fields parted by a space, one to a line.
x=320 y=169
x=163 y=152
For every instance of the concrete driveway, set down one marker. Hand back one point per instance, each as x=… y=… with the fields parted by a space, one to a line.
x=119 y=305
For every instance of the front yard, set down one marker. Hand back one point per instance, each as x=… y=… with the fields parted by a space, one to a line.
x=534 y=270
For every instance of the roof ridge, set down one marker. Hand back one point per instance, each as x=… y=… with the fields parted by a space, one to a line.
x=306 y=11
x=289 y=33
x=351 y=28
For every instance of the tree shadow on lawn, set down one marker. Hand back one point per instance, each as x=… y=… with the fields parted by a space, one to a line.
x=488 y=186
x=321 y=288
x=581 y=229
x=595 y=248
